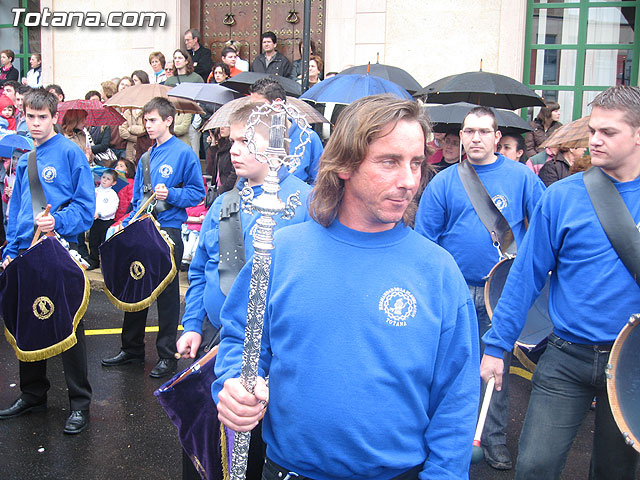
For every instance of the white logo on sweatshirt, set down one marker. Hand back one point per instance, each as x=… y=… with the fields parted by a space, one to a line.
x=500 y=201
x=165 y=170
x=398 y=304
x=49 y=174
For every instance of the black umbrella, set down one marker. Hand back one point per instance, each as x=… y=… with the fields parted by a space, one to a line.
x=393 y=74
x=203 y=92
x=242 y=81
x=447 y=118
x=481 y=88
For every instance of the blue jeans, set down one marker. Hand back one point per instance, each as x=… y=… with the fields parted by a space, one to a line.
x=567 y=378
x=495 y=426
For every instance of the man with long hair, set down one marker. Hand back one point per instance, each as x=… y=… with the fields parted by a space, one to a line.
x=370 y=339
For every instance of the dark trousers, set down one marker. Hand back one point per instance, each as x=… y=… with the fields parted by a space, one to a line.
x=168 y=313
x=96 y=237
x=273 y=471
x=34 y=383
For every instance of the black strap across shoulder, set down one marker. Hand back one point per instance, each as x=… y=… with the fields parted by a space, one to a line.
x=147 y=187
x=489 y=214
x=230 y=240
x=38 y=200
x=615 y=218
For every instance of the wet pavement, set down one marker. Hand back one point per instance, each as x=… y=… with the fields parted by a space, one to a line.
x=130 y=436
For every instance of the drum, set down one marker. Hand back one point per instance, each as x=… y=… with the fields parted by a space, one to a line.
x=137 y=264
x=623 y=382
x=44 y=293
x=538 y=325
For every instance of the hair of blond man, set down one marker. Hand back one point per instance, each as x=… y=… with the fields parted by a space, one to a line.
x=242 y=115
x=623 y=98
x=358 y=125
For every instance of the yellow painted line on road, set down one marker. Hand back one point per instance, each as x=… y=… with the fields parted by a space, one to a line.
x=117 y=331
x=521 y=372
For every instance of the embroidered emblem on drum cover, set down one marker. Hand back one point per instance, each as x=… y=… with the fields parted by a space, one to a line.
x=165 y=170
x=399 y=305
x=49 y=174
x=136 y=270
x=43 y=308
x=500 y=201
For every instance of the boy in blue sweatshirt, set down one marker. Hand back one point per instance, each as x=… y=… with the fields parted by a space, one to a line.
x=206 y=295
x=591 y=297
x=67 y=184
x=176 y=178
x=447 y=217
x=370 y=337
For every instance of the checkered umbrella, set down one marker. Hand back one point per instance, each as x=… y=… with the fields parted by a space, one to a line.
x=138 y=95
x=571 y=135
x=97 y=113
x=221 y=117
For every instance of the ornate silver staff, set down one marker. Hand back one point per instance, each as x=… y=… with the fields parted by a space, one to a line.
x=268 y=205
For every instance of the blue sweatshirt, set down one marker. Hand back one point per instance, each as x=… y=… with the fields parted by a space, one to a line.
x=171 y=163
x=65 y=176
x=371 y=347
x=447 y=217
x=591 y=294
x=204 y=295
x=308 y=168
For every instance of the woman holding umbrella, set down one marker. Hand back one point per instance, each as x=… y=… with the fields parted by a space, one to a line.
x=73 y=124
x=543 y=126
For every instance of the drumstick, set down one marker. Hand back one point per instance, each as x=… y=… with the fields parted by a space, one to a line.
x=38 y=230
x=478 y=454
x=144 y=206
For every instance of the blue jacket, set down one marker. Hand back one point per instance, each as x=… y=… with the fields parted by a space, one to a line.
x=591 y=294
x=372 y=350
x=447 y=217
x=204 y=295
x=67 y=182
x=308 y=168
x=171 y=163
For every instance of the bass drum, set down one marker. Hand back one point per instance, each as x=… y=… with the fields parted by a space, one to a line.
x=538 y=325
x=623 y=382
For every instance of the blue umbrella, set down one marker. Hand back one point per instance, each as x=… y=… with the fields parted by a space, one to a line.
x=349 y=88
x=10 y=142
x=121 y=182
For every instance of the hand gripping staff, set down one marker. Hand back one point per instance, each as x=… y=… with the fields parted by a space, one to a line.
x=268 y=205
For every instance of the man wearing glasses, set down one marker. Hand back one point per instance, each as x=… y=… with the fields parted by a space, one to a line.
x=447 y=217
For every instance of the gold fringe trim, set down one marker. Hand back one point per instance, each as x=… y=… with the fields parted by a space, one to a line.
x=142 y=304
x=58 y=348
x=223 y=448
x=524 y=360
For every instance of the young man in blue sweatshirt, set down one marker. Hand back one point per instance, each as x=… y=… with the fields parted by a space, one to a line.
x=370 y=337
x=176 y=178
x=68 y=186
x=591 y=297
x=447 y=217
x=205 y=295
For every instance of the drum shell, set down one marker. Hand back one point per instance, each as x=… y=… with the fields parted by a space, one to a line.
x=623 y=382
x=137 y=265
x=44 y=293
x=538 y=325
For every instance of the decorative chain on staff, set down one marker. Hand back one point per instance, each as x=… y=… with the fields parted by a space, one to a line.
x=268 y=205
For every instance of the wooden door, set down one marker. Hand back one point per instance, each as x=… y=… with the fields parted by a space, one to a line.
x=244 y=21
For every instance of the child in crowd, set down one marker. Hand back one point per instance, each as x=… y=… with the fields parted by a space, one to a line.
x=7 y=111
x=9 y=179
x=106 y=206
x=126 y=193
x=191 y=232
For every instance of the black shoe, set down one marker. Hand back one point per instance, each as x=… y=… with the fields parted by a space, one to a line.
x=77 y=422
x=122 y=358
x=164 y=367
x=93 y=266
x=498 y=456
x=20 y=407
